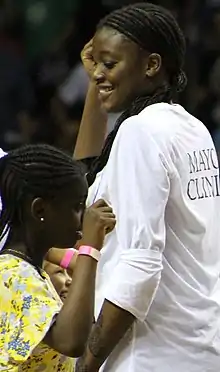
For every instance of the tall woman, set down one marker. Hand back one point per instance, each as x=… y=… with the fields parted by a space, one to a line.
x=158 y=290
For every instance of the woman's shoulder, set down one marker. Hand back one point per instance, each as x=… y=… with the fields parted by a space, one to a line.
x=160 y=121
x=152 y=122
x=150 y=118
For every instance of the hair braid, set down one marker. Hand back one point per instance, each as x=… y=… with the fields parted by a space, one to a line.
x=155 y=30
x=36 y=170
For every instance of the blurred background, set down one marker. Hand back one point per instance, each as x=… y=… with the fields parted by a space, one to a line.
x=43 y=84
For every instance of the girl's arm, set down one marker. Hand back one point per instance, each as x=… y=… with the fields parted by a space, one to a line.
x=69 y=333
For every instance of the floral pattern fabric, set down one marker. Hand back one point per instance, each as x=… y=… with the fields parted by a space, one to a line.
x=28 y=306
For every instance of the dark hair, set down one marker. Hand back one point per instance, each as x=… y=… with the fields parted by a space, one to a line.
x=34 y=170
x=155 y=30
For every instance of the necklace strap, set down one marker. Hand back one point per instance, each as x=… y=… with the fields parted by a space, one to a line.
x=17 y=254
x=23 y=256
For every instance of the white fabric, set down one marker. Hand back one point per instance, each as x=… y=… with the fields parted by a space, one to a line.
x=162 y=262
x=2 y=242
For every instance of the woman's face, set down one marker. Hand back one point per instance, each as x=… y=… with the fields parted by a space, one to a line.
x=59 y=277
x=120 y=69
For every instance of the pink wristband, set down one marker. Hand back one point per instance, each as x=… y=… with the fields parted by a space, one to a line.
x=67 y=258
x=89 y=251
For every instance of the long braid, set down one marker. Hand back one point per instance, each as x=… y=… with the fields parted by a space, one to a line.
x=37 y=170
x=137 y=106
x=154 y=29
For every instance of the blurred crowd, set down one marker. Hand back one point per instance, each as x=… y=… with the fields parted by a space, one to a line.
x=43 y=84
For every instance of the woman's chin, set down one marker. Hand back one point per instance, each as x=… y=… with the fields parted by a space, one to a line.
x=109 y=106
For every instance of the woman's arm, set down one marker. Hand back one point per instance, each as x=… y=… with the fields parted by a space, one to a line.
x=93 y=127
x=94 y=120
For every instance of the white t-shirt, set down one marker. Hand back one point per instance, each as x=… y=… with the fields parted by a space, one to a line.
x=162 y=262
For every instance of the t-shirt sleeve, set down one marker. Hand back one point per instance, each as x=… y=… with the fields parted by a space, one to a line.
x=139 y=183
x=28 y=309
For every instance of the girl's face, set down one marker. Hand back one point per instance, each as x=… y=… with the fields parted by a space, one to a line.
x=59 y=277
x=62 y=215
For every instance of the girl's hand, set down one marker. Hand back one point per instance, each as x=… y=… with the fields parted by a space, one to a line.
x=99 y=220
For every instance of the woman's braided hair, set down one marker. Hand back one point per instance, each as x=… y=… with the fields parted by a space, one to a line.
x=155 y=30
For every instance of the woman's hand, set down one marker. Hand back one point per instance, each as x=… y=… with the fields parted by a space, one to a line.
x=87 y=58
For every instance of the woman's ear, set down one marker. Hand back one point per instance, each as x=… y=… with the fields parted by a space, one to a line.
x=153 y=65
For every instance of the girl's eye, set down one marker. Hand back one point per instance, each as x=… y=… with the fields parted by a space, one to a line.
x=79 y=207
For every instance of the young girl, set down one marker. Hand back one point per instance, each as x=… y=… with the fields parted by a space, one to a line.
x=43 y=194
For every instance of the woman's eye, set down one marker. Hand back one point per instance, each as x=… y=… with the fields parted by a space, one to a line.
x=109 y=65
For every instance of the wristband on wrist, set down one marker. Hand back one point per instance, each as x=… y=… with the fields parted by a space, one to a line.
x=67 y=258
x=86 y=250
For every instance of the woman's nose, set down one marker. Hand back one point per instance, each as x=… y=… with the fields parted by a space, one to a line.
x=98 y=75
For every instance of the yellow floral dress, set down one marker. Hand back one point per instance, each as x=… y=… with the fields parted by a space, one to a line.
x=28 y=307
